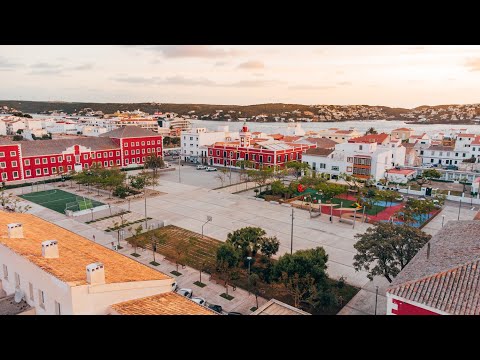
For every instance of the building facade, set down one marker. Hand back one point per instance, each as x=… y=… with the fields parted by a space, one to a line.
x=124 y=147
x=261 y=152
x=194 y=142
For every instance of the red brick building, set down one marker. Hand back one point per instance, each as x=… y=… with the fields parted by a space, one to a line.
x=24 y=160
x=262 y=152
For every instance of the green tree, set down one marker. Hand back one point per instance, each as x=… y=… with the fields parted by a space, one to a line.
x=156 y=239
x=371 y=131
x=227 y=260
x=428 y=175
x=297 y=167
x=352 y=181
x=154 y=162
x=17 y=137
x=11 y=202
x=302 y=272
x=137 y=240
x=261 y=176
x=385 y=249
x=247 y=239
x=254 y=284
x=330 y=190
x=269 y=246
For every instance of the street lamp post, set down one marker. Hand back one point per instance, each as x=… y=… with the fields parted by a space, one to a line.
x=376 y=298
x=291 y=235
x=209 y=218
x=443 y=220
x=459 y=208
x=179 y=158
x=91 y=209
x=249 y=258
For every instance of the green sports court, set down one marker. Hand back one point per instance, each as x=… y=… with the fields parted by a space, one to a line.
x=59 y=200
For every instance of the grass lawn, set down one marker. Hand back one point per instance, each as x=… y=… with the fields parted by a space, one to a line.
x=348 y=203
x=56 y=199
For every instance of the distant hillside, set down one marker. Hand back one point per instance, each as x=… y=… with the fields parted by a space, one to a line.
x=447 y=114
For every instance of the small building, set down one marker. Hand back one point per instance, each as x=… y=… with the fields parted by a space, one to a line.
x=402 y=133
x=275 y=307
x=400 y=176
x=443 y=277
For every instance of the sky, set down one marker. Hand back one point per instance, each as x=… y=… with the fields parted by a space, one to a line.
x=393 y=75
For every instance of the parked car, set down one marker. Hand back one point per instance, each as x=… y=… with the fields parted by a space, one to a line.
x=211 y=169
x=452 y=167
x=186 y=292
x=234 y=313
x=428 y=166
x=174 y=286
x=399 y=198
x=199 y=300
x=216 y=308
x=201 y=167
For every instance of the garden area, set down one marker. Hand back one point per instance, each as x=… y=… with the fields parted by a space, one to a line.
x=314 y=192
x=245 y=261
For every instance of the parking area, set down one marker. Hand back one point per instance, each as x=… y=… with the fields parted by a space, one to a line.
x=189 y=175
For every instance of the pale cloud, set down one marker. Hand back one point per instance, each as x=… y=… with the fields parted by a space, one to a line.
x=180 y=80
x=254 y=83
x=311 y=87
x=252 y=64
x=194 y=51
x=221 y=63
x=6 y=64
x=82 y=67
x=44 y=68
x=136 y=80
x=473 y=64
x=344 y=83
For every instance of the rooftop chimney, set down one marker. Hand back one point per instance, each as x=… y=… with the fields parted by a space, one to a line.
x=428 y=251
x=15 y=231
x=95 y=274
x=50 y=249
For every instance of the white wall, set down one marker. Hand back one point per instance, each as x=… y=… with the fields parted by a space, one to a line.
x=96 y=299
x=3 y=128
x=399 y=178
x=53 y=288
x=85 y=299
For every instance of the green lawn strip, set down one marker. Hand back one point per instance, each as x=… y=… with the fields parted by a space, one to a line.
x=228 y=297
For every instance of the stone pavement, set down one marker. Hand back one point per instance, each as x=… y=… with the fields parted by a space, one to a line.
x=242 y=302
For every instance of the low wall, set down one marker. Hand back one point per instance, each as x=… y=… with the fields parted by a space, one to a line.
x=87 y=211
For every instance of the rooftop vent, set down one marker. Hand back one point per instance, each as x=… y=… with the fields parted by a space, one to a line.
x=50 y=249
x=95 y=274
x=15 y=231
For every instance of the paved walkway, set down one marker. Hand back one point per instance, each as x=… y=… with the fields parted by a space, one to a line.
x=242 y=302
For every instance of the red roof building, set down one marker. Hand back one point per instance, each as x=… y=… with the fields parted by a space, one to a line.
x=444 y=276
x=25 y=160
x=371 y=138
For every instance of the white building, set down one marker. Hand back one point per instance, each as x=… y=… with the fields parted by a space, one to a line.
x=401 y=176
x=59 y=272
x=295 y=129
x=3 y=128
x=338 y=135
x=63 y=127
x=194 y=142
x=93 y=130
x=443 y=155
x=364 y=157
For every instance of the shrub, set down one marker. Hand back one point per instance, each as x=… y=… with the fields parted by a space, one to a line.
x=121 y=192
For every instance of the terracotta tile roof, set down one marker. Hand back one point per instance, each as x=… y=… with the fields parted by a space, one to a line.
x=476 y=141
x=129 y=131
x=323 y=143
x=275 y=307
x=402 y=129
x=319 y=152
x=441 y=148
x=276 y=136
x=75 y=251
x=371 y=138
x=449 y=280
x=346 y=132
x=408 y=145
x=402 y=171
x=291 y=138
x=466 y=135
x=47 y=147
x=417 y=136
x=169 y=303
